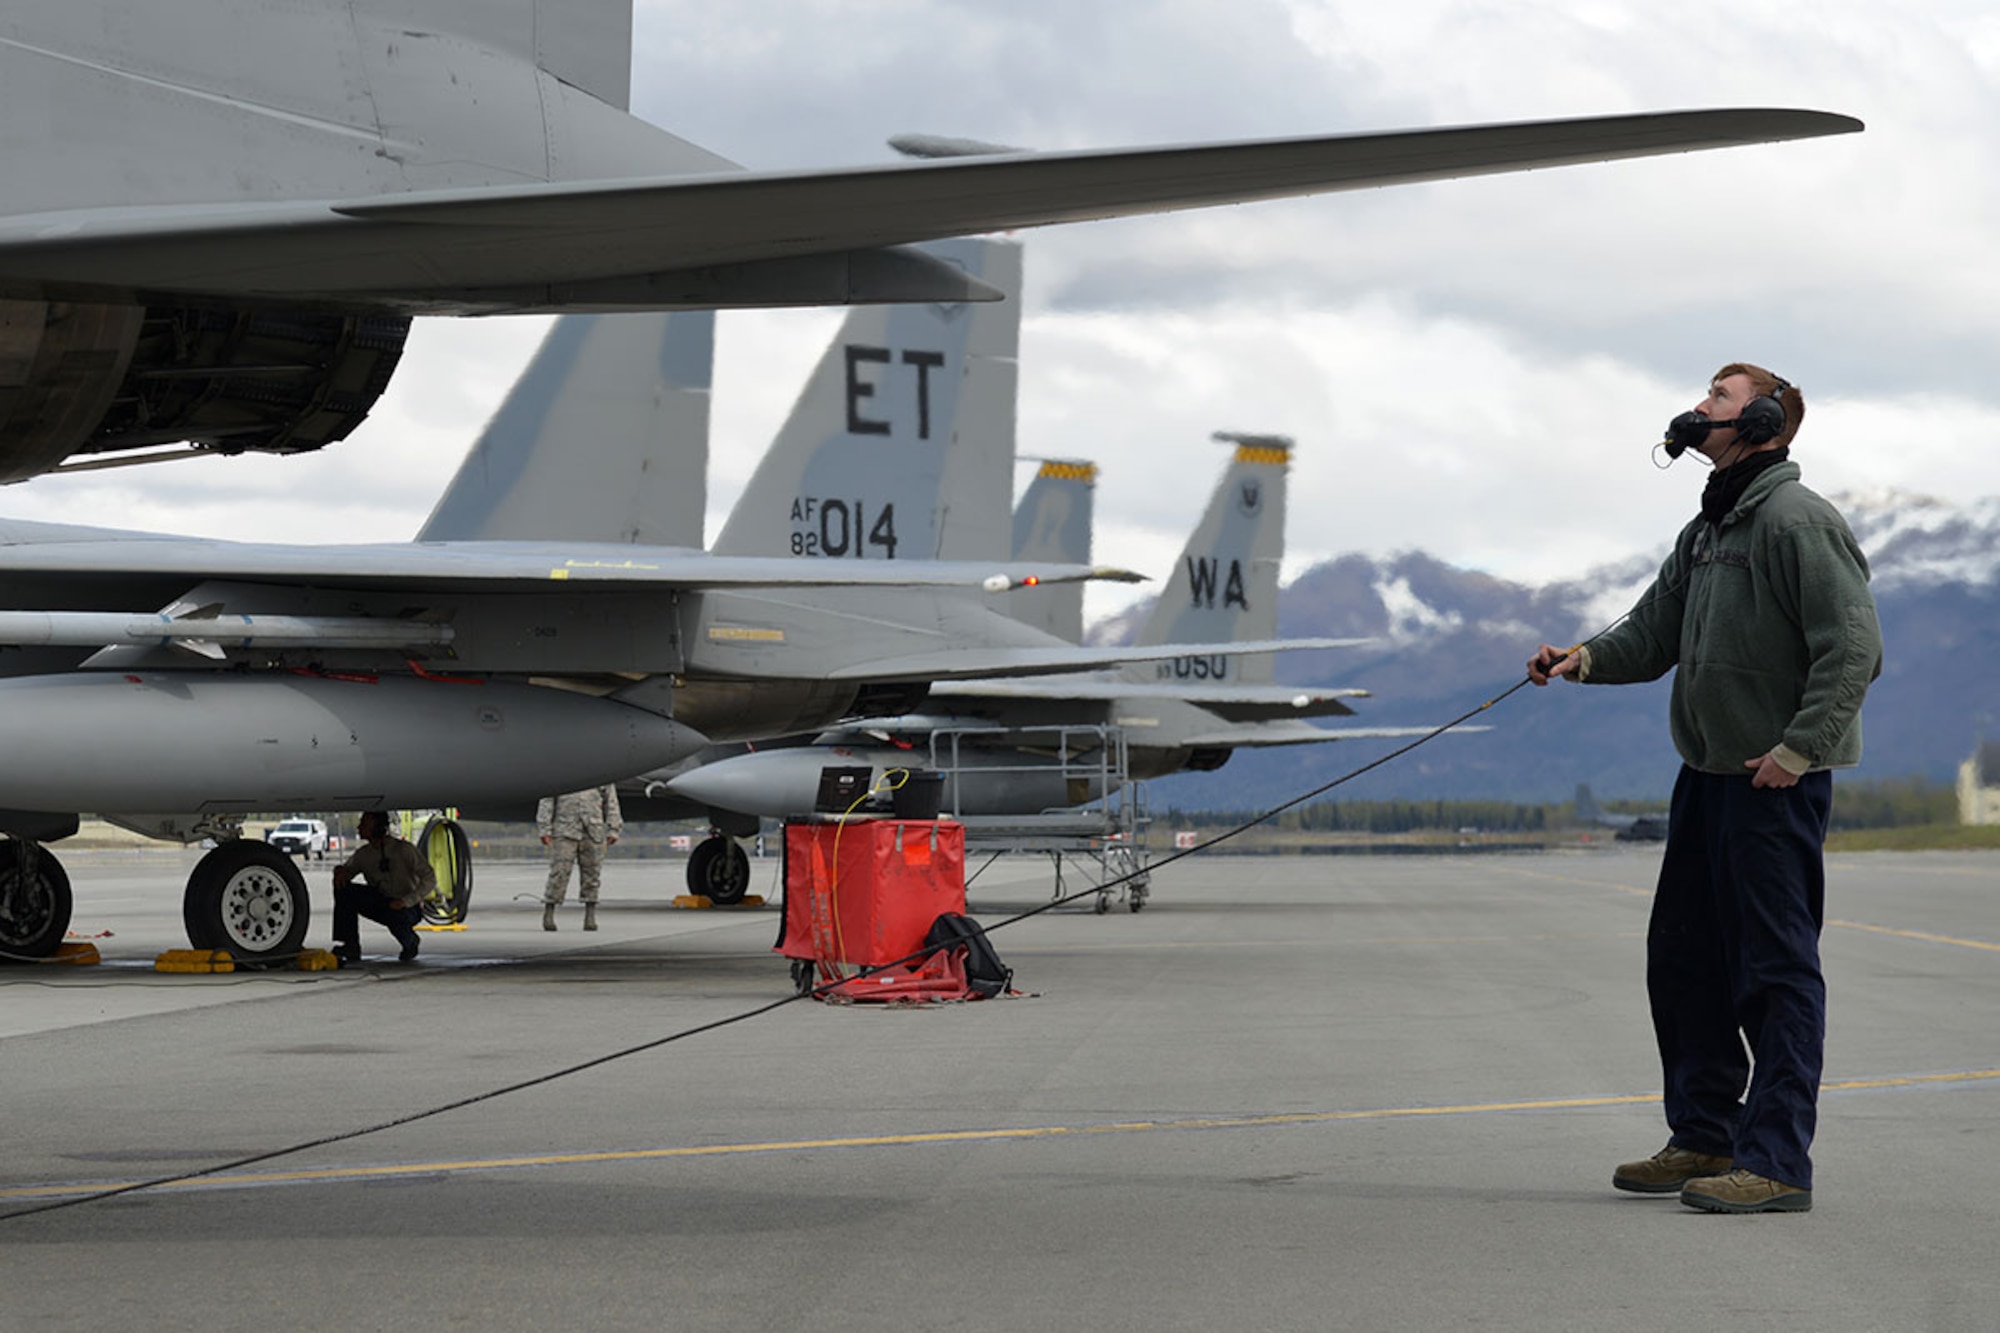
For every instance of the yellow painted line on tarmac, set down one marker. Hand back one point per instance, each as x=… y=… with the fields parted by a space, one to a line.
x=1926 y=936
x=1032 y=1132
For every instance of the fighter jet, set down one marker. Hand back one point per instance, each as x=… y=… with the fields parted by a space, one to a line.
x=1011 y=748
x=221 y=214
x=528 y=643
x=899 y=448
x=218 y=678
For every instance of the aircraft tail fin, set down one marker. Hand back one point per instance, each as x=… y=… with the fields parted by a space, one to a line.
x=1225 y=585
x=901 y=444
x=110 y=104
x=603 y=438
x=1586 y=805
x=1052 y=525
x=585 y=43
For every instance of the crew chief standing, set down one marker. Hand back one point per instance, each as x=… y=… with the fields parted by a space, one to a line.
x=1763 y=613
x=576 y=828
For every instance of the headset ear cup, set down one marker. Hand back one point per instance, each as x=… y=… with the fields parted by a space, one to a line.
x=1761 y=420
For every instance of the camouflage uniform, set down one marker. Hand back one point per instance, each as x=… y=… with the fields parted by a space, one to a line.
x=576 y=826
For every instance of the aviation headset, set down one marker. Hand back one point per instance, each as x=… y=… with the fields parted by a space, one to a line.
x=1763 y=417
x=1761 y=421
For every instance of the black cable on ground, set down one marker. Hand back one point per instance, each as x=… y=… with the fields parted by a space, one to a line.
x=491 y=1094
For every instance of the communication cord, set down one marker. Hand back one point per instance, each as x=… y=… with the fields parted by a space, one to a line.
x=748 y=1014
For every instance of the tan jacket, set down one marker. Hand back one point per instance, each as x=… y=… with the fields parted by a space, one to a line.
x=395 y=869
x=581 y=815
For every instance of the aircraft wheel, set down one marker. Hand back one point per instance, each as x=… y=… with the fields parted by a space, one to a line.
x=719 y=871
x=250 y=899
x=35 y=900
x=445 y=845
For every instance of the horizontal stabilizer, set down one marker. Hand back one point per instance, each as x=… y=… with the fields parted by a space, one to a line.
x=962 y=663
x=1236 y=703
x=47 y=548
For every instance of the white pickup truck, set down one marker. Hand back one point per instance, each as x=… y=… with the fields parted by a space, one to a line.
x=300 y=837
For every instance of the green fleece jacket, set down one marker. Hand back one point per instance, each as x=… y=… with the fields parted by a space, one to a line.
x=1768 y=618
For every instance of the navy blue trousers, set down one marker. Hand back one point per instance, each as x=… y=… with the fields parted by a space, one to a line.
x=1732 y=969
x=356 y=899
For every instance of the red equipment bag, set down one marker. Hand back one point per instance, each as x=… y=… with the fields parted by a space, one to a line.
x=865 y=892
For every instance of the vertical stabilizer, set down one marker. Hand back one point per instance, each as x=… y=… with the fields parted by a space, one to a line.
x=1052 y=525
x=901 y=445
x=603 y=438
x=585 y=43
x=117 y=103
x=1225 y=585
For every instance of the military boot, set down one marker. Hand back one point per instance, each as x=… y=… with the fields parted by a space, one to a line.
x=548 y=916
x=590 y=916
x=1667 y=1170
x=1743 y=1191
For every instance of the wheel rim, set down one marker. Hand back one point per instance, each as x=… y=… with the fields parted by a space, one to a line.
x=726 y=876
x=256 y=909
x=27 y=907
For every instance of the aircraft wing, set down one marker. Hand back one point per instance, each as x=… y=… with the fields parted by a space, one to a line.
x=513 y=566
x=749 y=238
x=1234 y=703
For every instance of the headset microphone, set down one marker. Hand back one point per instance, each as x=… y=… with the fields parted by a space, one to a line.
x=1687 y=431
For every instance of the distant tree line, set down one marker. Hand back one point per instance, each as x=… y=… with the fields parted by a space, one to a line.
x=1893 y=803
x=1857 y=804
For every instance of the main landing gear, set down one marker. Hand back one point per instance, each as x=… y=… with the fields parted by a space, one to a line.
x=719 y=870
x=35 y=900
x=250 y=898
x=245 y=896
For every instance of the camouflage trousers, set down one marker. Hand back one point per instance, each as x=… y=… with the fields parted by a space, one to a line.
x=586 y=856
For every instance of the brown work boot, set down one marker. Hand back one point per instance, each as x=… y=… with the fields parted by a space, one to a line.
x=1667 y=1170
x=1745 y=1192
x=590 y=916
x=548 y=916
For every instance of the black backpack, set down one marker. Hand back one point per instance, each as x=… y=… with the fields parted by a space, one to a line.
x=985 y=974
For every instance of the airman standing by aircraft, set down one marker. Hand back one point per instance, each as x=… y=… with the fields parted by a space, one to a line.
x=396 y=878
x=576 y=828
x=1763 y=606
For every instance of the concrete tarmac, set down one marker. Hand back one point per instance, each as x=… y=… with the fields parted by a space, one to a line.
x=1293 y=1093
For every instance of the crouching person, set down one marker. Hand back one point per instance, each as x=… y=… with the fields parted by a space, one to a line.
x=386 y=880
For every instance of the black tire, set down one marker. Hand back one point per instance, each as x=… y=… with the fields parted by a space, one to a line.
x=719 y=871
x=445 y=845
x=35 y=901
x=250 y=899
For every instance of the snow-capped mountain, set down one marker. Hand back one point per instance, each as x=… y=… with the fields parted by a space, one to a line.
x=1450 y=639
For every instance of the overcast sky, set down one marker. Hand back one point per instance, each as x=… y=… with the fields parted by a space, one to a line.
x=1474 y=368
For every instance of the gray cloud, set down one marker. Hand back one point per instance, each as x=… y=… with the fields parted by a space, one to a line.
x=1469 y=366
